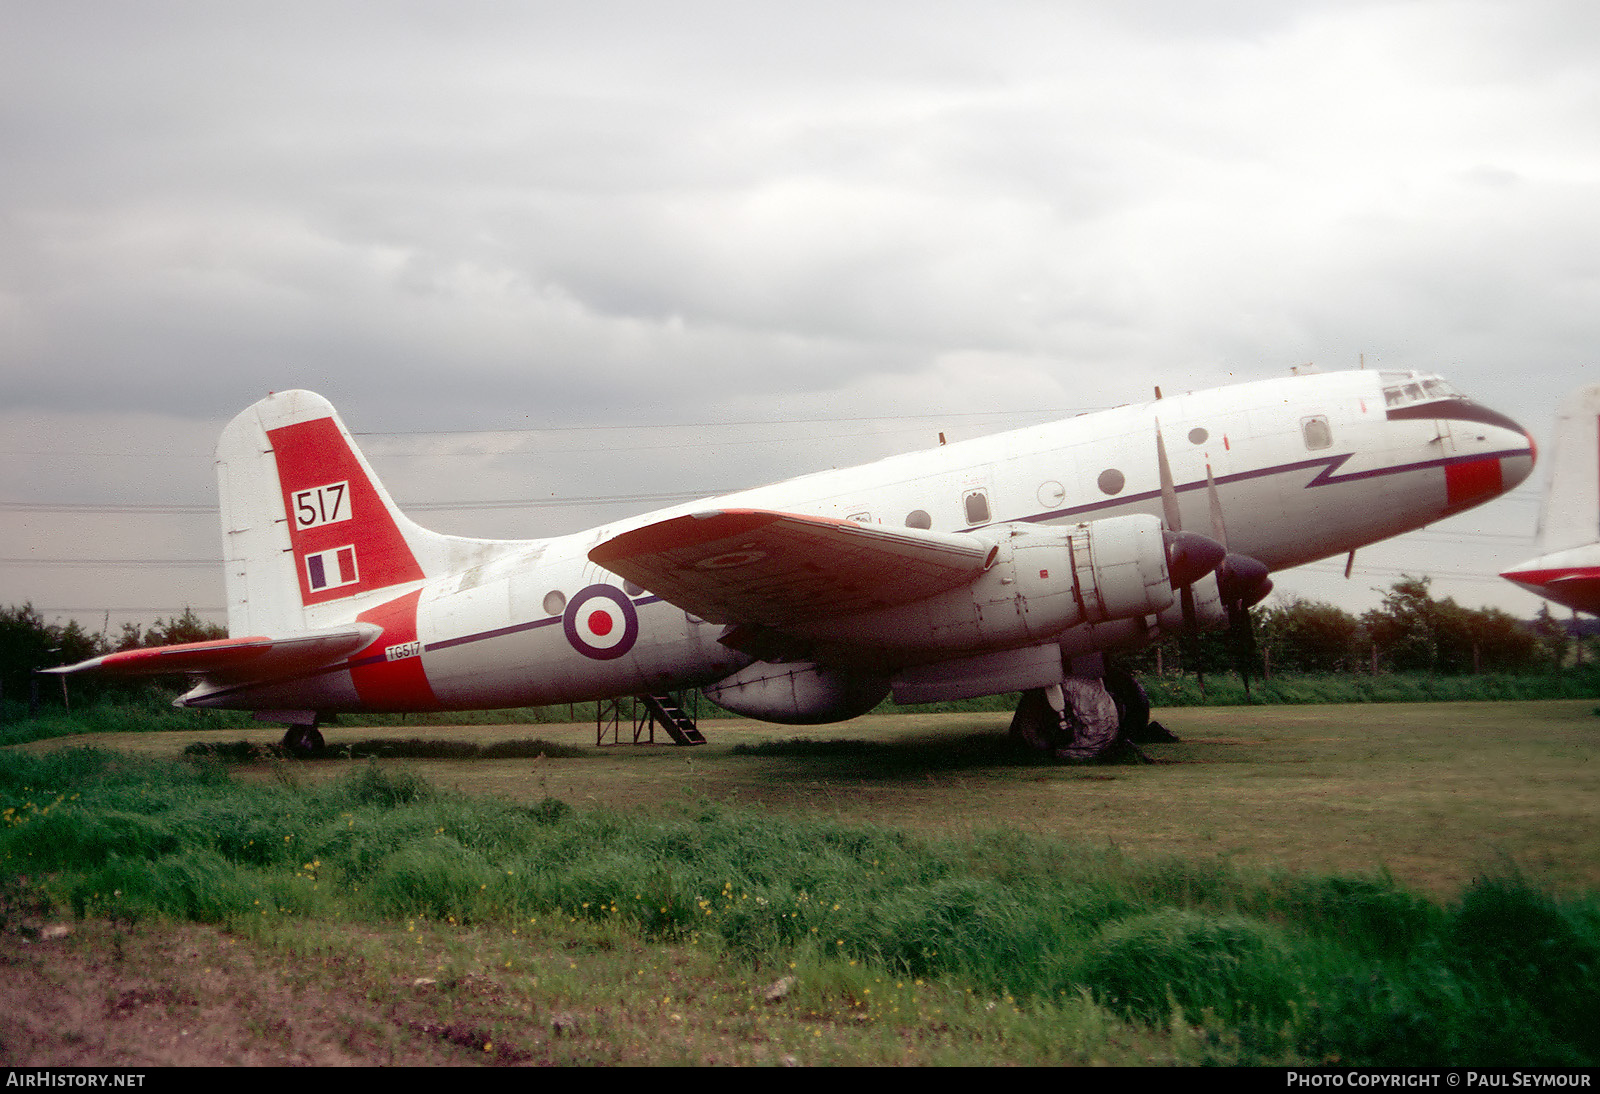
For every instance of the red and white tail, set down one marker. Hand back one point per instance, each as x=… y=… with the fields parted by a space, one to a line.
x=308 y=531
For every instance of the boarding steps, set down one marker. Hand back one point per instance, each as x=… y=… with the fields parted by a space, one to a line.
x=646 y=712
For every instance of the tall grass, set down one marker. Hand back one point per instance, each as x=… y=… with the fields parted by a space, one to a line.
x=1273 y=968
x=152 y=710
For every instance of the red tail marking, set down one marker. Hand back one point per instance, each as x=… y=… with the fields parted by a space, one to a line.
x=314 y=454
x=400 y=684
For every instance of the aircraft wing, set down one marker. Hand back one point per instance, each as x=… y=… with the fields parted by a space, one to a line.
x=231 y=659
x=755 y=566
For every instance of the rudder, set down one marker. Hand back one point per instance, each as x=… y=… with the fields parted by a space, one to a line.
x=307 y=529
x=1570 y=513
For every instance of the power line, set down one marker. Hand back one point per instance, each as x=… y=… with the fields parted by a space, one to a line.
x=1045 y=413
x=158 y=509
x=159 y=563
x=168 y=610
x=638 y=426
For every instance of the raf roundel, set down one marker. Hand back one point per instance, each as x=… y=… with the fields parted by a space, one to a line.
x=600 y=623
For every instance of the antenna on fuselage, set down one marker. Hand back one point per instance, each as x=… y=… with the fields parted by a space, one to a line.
x=1158 y=391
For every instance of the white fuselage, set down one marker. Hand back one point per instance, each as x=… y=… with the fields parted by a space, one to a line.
x=1304 y=467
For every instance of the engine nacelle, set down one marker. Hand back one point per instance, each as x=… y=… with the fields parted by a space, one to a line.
x=798 y=694
x=1040 y=582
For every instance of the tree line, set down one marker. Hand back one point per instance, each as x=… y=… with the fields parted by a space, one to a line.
x=28 y=643
x=1412 y=631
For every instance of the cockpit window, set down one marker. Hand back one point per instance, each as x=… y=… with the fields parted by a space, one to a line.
x=1405 y=388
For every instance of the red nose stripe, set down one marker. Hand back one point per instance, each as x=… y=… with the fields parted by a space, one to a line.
x=1466 y=483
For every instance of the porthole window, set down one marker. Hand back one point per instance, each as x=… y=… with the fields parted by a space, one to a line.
x=918 y=518
x=1316 y=432
x=1198 y=435
x=555 y=602
x=976 y=504
x=1111 y=481
x=631 y=589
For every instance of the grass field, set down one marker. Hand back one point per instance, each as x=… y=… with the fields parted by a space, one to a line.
x=1318 y=884
x=1435 y=793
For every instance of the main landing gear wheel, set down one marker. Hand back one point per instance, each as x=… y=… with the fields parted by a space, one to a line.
x=1134 y=707
x=1076 y=720
x=302 y=740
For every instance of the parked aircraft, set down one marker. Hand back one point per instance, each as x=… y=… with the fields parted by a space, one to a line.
x=1006 y=563
x=1567 y=570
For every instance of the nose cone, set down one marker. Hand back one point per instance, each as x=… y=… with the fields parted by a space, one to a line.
x=1504 y=452
x=1516 y=468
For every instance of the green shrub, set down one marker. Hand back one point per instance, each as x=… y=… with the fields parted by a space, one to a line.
x=1148 y=966
x=435 y=878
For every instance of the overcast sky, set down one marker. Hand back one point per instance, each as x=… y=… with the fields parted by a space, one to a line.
x=646 y=250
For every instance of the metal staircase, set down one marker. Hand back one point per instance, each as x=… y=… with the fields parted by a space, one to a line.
x=646 y=712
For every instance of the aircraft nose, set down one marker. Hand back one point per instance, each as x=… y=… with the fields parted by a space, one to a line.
x=1503 y=454
x=1517 y=465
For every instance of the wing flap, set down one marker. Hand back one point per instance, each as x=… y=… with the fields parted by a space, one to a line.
x=757 y=566
x=233 y=659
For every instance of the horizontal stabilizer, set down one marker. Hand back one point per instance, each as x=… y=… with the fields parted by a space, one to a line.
x=754 y=566
x=1568 y=577
x=235 y=659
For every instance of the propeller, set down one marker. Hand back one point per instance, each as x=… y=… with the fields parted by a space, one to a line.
x=1242 y=582
x=1174 y=521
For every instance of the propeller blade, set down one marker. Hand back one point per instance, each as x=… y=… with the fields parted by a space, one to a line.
x=1218 y=529
x=1174 y=520
x=1169 y=492
x=1242 y=637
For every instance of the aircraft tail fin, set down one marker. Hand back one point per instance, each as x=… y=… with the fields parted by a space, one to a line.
x=307 y=528
x=1570 y=513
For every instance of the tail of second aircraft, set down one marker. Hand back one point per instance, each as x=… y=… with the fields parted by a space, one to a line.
x=307 y=528
x=1570 y=515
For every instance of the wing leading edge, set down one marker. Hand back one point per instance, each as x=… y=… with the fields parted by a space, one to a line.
x=755 y=566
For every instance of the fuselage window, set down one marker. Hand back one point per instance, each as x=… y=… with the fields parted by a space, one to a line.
x=1316 y=432
x=977 y=505
x=1111 y=481
x=919 y=518
x=1198 y=435
x=555 y=602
